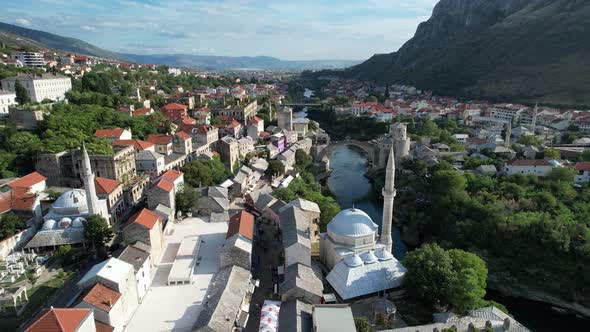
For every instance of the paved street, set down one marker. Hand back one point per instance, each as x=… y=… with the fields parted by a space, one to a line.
x=264 y=260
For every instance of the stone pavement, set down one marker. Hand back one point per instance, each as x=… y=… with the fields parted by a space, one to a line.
x=265 y=259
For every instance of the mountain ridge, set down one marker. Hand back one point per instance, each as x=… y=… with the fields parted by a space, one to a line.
x=521 y=50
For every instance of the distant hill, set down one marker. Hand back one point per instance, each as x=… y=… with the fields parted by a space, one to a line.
x=520 y=50
x=211 y=62
x=12 y=34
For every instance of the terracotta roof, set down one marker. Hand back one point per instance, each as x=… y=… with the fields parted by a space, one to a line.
x=27 y=181
x=165 y=184
x=109 y=133
x=585 y=166
x=102 y=327
x=183 y=135
x=255 y=120
x=142 y=111
x=159 y=139
x=174 y=106
x=172 y=175
x=137 y=143
x=105 y=186
x=530 y=162
x=188 y=120
x=204 y=109
x=234 y=124
x=58 y=320
x=145 y=217
x=102 y=297
x=243 y=223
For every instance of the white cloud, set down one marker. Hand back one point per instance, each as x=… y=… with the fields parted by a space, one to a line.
x=23 y=22
x=87 y=28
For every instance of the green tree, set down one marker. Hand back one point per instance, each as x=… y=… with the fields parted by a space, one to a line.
x=468 y=287
x=302 y=159
x=98 y=232
x=550 y=153
x=22 y=96
x=204 y=173
x=275 y=167
x=10 y=224
x=562 y=174
x=362 y=325
x=186 y=199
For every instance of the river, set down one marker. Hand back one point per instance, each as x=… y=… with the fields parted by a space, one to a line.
x=348 y=183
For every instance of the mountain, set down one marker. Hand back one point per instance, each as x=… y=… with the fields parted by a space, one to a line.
x=211 y=62
x=517 y=50
x=15 y=35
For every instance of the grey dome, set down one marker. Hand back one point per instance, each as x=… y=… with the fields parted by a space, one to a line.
x=78 y=222
x=48 y=224
x=383 y=255
x=71 y=202
x=353 y=223
x=369 y=258
x=353 y=261
x=65 y=222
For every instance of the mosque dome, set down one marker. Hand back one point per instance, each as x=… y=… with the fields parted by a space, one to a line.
x=353 y=223
x=65 y=222
x=353 y=261
x=48 y=224
x=78 y=222
x=369 y=257
x=71 y=202
x=383 y=255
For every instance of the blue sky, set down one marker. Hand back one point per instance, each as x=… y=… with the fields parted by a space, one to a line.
x=287 y=29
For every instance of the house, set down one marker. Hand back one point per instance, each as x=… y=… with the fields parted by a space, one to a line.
x=146 y=226
x=7 y=99
x=114 y=134
x=243 y=180
x=302 y=283
x=66 y=320
x=203 y=115
x=138 y=255
x=583 y=175
x=175 y=112
x=176 y=177
x=255 y=127
x=295 y=316
x=150 y=162
x=40 y=87
x=22 y=196
x=486 y=170
x=237 y=249
x=287 y=157
x=213 y=200
x=163 y=143
x=143 y=111
x=312 y=213
x=161 y=199
x=230 y=152
x=106 y=304
x=111 y=191
x=139 y=145
x=538 y=167
x=117 y=276
x=301 y=126
x=461 y=138
x=182 y=143
x=296 y=240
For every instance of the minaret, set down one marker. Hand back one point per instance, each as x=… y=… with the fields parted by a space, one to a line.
x=88 y=178
x=534 y=121
x=388 y=196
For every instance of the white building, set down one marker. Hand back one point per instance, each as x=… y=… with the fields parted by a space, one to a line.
x=138 y=255
x=583 y=175
x=7 y=98
x=30 y=59
x=538 y=167
x=40 y=87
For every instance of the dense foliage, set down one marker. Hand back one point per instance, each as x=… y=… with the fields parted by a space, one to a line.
x=11 y=224
x=362 y=324
x=204 y=173
x=98 y=232
x=275 y=168
x=186 y=199
x=444 y=278
x=531 y=231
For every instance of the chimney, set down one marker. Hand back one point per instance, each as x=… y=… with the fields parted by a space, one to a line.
x=110 y=303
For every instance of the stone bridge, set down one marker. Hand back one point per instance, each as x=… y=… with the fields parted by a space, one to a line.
x=370 y=148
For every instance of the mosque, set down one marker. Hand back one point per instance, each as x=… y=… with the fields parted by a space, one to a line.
x=360 y=262
x=68 y=215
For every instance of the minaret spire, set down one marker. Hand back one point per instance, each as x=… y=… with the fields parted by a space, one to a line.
x=388 y=196
x=88 y=178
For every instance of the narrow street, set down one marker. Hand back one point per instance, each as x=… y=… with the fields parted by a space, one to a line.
x=265 y=259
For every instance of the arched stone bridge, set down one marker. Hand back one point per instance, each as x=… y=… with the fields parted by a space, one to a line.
x=369 y=148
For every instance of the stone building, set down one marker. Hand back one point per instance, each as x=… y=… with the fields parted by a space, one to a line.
x=111 y=191
x=242 y=114
x=147 y=227
x=161 y=199
x=237 y=249
x=230 y=152
x=40 y=87
x=138 y=255
x=285 y=118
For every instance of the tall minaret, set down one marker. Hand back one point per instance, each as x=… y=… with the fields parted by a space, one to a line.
x=388 y=196
x=88 y=178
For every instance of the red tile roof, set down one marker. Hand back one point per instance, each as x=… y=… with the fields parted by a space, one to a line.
x=243 y=223
x=138 y=144
x=585 y=166
x=109 y=133
x=102 y=327
x=183 y=135
x=102 y=297
x=255 y=120
x=159 y=139
x=234 y=124
x=530 y=162
x=145 y=217
x=165 y=184
x=58 y=320
x=105 y=186
x=174 y=106
x=172 y=175
x=142 y=111
x=27 y=181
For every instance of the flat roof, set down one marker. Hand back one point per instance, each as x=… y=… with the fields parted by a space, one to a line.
x=333 y=318
x=182 y=268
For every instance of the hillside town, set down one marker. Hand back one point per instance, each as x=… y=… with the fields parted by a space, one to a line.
x=149 y=205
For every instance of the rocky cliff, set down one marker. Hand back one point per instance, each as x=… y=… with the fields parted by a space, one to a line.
x=523 y=50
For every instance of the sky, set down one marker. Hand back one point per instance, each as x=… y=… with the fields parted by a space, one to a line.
x=286 y=29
